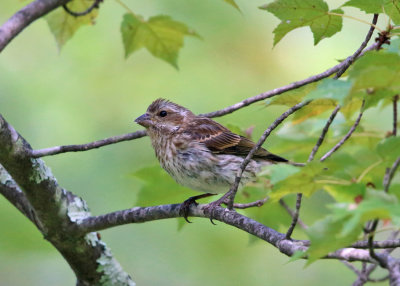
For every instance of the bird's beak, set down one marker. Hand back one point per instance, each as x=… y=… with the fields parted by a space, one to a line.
x=144 y=120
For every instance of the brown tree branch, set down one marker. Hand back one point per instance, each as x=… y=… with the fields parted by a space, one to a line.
x=24 y=17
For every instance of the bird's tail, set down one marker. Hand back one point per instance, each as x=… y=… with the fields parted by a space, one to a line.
x=275 y=158
x=278 y=159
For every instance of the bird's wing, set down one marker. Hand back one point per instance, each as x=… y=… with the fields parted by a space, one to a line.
x=221 y=140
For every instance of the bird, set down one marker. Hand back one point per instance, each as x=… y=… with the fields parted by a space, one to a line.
x=198 y=152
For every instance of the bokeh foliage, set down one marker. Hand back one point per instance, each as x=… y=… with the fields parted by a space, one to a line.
x=88 y=91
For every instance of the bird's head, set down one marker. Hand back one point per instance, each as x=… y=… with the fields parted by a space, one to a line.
x=164 y=116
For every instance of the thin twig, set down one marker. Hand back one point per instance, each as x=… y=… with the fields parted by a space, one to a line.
x=346 y=137
x=353 y=57
x=347 y=64
x=232 y=192
x=295 y=217
x=371 y=240
x=378 y=279
x=296 y=213
x=361 y=280
x=88 y=146
x=280 y=90
x=95 y=5
x=112 y=140
x=323 y=134
x=258 y=203
x=395 y=99
x=356 y=19
x=291 y=213
x=388 y=179
x=352 y=267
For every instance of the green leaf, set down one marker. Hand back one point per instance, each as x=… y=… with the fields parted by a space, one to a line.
x=389 y=149
x=280 y=172
x=296 y=256
x=63 y=25
x=345 y=224
x=375 y=71
x=159 y=188
x=304 y=181
x=300 y=13
x=389 y=7
x=394 y=46
x=368 y=6
x=315 y=108
x=392 y=9
x=160 y=35
x=232 y=3
x=331 y=89
x=293 y=96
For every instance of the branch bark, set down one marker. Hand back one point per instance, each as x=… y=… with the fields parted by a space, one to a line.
x=12 y=192
x=88 y=146
x=346 y=137
x=56 y=211
x=232 y=192
x=277 y=239
x=138 y=134
x=24 y=17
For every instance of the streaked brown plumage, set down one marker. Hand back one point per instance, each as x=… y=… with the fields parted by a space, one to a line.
x=197 y=151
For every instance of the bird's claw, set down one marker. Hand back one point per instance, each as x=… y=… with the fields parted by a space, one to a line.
x=210 y=208
x=185 y=207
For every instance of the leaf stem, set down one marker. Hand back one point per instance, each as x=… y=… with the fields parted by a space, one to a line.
x=356 y=19
x=367 y=170
x=125 y=6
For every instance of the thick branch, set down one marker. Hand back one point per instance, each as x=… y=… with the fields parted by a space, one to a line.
x=57 y=209
x=277 y=239
x=20 y=20
x=12 y=192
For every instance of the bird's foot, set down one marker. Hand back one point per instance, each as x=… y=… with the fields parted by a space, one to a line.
x=185 y=206
x=211 y=207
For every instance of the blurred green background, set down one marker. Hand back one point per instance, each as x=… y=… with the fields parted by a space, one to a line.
x=88 y=91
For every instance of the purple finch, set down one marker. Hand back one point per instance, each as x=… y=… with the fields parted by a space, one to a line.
x=198 y=152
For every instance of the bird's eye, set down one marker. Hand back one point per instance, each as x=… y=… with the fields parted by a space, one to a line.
x=163 y=113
